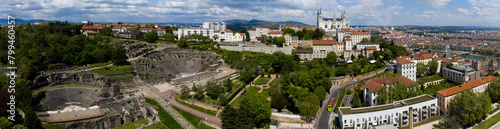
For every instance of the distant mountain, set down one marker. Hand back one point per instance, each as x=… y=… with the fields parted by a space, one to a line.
x=22 y=21
x=236 y=24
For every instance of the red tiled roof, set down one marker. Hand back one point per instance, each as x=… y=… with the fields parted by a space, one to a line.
x=348 y=39
x=463 y=87
x=241 y=34
x=146 y=29
x=371 y=48
x=374 y=85
x=404 y=61
x=160 y=30
x=274 y=32
x=422 y=55
x=325 y=42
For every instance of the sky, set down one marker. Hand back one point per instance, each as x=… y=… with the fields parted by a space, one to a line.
x=359 y=12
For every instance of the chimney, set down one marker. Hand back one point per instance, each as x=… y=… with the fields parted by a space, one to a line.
x=460 y=85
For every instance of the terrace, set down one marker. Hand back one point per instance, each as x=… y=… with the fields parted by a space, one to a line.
x=410 y=101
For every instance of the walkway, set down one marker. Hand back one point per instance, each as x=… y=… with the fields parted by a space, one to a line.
x=168 y=96
x=273 y=76
x=178 y=117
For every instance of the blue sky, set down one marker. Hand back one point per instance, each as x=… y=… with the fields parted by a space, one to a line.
x=360 y=12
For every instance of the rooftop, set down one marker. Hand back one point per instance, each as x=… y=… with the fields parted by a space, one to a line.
x=463 y=87
x=401 y=103
x=324 y=42
x=374 y=85
x=404 y=61
x=462 y=68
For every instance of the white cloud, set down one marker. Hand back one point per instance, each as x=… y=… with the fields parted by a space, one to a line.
x=437 y=3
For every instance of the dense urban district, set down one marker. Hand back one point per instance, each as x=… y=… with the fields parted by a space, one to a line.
x=331 y=75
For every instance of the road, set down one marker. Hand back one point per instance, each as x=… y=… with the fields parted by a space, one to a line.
x=322 y=122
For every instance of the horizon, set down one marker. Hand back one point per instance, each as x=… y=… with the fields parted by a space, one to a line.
x=485 y=13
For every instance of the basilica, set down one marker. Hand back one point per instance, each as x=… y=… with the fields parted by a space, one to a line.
x=332 y=25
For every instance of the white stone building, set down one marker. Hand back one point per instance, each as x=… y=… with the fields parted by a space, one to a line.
x=372 y=86
x=361 y=46
x=194 y=30
x=406 y=68
x=215 y=25
x=397 y=114
x=332 y=25
x=444 y=96
x=461 y=73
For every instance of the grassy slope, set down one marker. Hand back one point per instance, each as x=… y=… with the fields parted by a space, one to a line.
x=166 y=119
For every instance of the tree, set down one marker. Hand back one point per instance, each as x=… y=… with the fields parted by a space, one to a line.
x=356 y=100
x=228 y=84
x=222 y=100
x=421 y=68
x=119 y=57
x=258 y=106
x=194 y=88
x=470 y=108
x=19 y=127
x=213 y=90
x=496 y=74
x=331 y=58
x=355 y=47
x=309 y=106
x=236 y=118
x=447 y=123
x=169 y=36
x=320 y=93
x=184 y=92
x=279 y=102
x=494 y=90
x=32 y=121
x=247 y=75
x=433 y=67
x=280 y=40
x=364 y=40
x=383 y=95
x=216 y=37
x=5 y=123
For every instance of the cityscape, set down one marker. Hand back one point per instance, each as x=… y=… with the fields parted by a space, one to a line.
x=157 y=64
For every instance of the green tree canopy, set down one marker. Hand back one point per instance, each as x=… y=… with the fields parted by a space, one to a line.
x=331 y=58
x=236 y=118
x=421 y=68
x=447 y=123
x=5 y=123
x=433 y=67
x=494 y=90
x=469 y=107
x=169 y=36
x=320 y=93
x=309 y=106
x=258 y=106
x=184 y=92
x=279 y=102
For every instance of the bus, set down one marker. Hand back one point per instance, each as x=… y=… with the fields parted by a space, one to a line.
x=330 y=104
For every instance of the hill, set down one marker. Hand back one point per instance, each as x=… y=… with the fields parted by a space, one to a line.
x=236 y=24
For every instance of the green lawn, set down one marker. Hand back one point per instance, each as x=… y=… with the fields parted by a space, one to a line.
x=236 y=103
x=51 y=126
x=211 y=101
x=339 y=101
x=272 y=83
x=207 y=111
x=236 y=84
x=157 y=126
x=122 y=77
x=114 y=70
x=424 y=79
x=194 y=120
x=303 y=69
x=166 y=119
x=54 y=86
x=262 y=80
x=134 y=125
x=431 y=90
x=489 y=122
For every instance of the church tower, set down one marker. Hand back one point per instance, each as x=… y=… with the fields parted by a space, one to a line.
x=343 y=15
x=319 y=16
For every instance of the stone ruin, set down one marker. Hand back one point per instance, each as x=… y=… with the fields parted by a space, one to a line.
x=164 y=65
x=136 y=50
x=82 y=107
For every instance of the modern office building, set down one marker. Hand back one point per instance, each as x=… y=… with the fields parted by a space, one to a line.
x=398 y=114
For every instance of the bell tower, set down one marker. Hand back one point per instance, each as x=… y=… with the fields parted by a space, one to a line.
x=320 y=17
